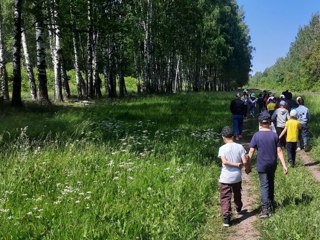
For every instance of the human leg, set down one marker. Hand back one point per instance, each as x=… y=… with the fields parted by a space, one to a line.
x=236 y=189
x=264 y=191
x=304 y=134
x=225 y=199
x=270 y=176
x=289 y=146
x=235 y=122
x=240 y=124
x=282 y=140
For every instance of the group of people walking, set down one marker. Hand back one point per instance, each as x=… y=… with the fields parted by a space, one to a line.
x=281 y=122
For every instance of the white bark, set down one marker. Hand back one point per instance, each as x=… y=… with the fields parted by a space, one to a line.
x=81 y=88
x=41 y=56
x=29 y=67
x=3 y=71
x=57 y=55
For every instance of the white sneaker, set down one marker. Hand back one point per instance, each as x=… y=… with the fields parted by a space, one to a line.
x=298 y=149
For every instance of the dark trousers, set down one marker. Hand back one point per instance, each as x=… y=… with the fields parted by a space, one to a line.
x=282 y=140
x=226 y=191
x=291 y=150
x=267 y=188
x=237 y=124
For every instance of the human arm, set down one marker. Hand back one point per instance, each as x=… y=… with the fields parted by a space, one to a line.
x=283 y=162
x=274 y=115
x=248 y=165
x=283 y=132
x=231 y=164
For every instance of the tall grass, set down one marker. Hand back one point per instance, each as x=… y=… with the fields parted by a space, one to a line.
x=143 y=168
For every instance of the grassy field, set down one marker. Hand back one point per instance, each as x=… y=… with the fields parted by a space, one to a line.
x=141 y=168
x=137 y=168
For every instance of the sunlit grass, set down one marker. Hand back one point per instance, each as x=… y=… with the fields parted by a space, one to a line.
x=141 y=168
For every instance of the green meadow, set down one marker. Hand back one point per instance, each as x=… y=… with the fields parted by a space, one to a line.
x=136 y=168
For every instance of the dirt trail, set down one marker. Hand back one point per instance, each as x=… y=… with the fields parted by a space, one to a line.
x=244 y=224
x=313 y=166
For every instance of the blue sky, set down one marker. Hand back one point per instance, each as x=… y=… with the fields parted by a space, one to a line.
x=274 y=25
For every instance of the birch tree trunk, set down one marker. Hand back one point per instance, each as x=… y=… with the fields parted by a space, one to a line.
x=96 y=77
x=41 y=55
x=146 y=76
x=112 y=71
x=16 y=84
x=65 y=79
x=3 y=71
x=57 y=54
x=81 y=87
x=90 y=44
x=51 y=28
x=29 y=67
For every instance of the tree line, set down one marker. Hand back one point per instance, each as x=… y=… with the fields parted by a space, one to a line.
x=300 y=68
x=167 y=46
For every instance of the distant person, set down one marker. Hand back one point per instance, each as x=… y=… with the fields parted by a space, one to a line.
x=233 y=157
x=260 y=103
x=271 y=105
x=290 y=102
x=245 y=98
x=252 y=104
x=303 y=116
x=292 y=127
x=280 y=117
x=266 y=143
x=238 y=109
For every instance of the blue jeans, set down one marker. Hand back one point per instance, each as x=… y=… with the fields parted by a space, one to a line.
x=303 y=135
x=237 y=124
x=267 y=188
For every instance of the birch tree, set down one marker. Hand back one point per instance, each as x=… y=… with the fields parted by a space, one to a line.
x=3 y=71
x=81 y=87
x=57 y=53
x=29 y=67
x=41 y=53
x=16 y=84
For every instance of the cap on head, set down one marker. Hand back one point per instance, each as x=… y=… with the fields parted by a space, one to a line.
x=299 y=100
x=293 y=113
x=227 y=132
x=282 y=103
x=238 y=95
x=264 y=117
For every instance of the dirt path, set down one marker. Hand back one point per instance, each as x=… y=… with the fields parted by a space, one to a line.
x=244 y=224
x=313 y=166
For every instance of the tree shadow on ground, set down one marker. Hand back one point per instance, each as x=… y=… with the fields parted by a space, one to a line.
x=311 y=164
x=304 y=199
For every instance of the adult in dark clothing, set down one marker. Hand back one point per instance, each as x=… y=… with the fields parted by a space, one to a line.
x=237 y=108
x=290 y=102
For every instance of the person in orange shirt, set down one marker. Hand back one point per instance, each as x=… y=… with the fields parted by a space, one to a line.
x=292 y=128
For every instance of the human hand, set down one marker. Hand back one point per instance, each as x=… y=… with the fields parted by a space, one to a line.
x=285 y=170
x=240 y=165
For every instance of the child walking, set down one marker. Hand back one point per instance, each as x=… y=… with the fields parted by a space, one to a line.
x=233 y=157
x=292 y=128
x=266 y=143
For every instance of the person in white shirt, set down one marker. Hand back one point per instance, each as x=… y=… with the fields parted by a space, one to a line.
x=233 y=157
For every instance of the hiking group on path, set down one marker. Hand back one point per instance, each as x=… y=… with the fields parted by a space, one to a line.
x=282 y=123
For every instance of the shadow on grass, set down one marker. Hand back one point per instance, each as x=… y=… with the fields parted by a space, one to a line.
x=245 y=215
x=304 y=199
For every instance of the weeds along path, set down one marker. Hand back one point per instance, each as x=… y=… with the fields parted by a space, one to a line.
x=312 y=166
x=244 y=227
